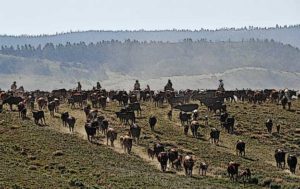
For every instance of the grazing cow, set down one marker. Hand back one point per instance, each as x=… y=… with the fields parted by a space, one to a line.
x=246 y=175
x=51 y=108
x=71 y=122
x=195 y=115
x=173 y=155
x=194 y=128
x=214 y=135
x=41 y=103
x=292 y=163
x=188 y=164
x=152 y=122
x=158 y=147
x=135 y=132
x=203 y=168
x=280 y=158
x=39 y=115
x=111 y=135
x=12 y=100
x=22 y=110
x=151 y=153
x=233 y=170
x=240 y=147
x=90 y=131
x=163 y=160
x=127 y=144
x=64 y=116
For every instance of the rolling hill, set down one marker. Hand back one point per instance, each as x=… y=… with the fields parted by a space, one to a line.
x=248 y=64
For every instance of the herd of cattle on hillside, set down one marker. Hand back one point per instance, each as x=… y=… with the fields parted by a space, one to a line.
x=130 y=102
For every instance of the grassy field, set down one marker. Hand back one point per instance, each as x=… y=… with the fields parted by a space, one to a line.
x=30 y=154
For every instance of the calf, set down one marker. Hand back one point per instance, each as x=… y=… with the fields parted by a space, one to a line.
x=203 y=168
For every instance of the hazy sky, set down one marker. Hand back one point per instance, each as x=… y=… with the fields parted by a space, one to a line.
x=51 y=16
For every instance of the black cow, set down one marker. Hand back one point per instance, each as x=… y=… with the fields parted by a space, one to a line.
x=229 y=124
x=158 y=147
x=39 y=115
x=64 y=116
x=269 y=125
x=135 y=132
x=280 y=158
x=292 y=163
x=240 y=147
x=152 y=122
x=214 y=135
x=90 y=131
x=162 y=158
x=12 y=100
x=71 y=122
x=172 y=155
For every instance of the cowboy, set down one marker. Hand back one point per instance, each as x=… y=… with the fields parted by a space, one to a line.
x=14 y=86
x=137 y=85
x=79 y=87
x=98 y=86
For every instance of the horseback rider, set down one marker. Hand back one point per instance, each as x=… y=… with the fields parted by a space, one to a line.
x=98 y=86
x=221 y=85
x=137 y=85
x=13 y=87
x=79 y=87
x=169 y=85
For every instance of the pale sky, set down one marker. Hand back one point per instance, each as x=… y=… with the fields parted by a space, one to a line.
x=51 y=16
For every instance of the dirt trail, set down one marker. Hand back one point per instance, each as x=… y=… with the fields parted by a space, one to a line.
x=55 y=123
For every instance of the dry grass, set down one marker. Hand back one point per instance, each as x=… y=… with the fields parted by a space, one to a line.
x=27 y=150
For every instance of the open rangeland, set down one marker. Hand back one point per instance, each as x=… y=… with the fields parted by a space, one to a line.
x=51 y=157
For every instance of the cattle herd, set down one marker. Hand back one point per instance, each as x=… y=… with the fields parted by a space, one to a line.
x=130 y=102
